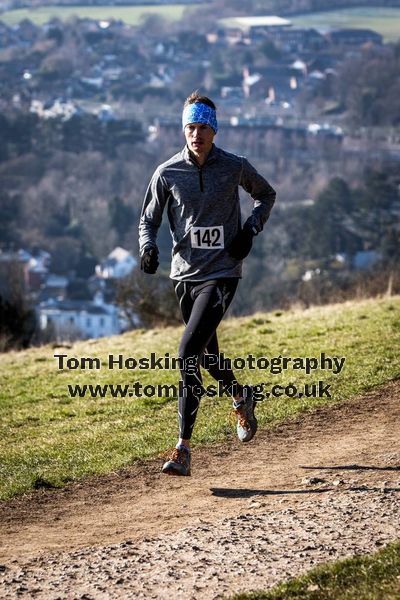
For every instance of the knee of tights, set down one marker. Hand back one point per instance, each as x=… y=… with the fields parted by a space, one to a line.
x=188 y=360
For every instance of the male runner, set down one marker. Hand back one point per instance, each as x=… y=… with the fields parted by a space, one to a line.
x=199 y=188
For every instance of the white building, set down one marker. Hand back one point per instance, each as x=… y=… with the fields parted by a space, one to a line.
x=60 y=108
x=79 y=319
x=118 y=264
x=247 y=23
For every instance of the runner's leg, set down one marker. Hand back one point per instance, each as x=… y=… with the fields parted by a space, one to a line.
x=219 y=368
x=203 y=305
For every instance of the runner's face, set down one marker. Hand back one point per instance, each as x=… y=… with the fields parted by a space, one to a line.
x=199 y=138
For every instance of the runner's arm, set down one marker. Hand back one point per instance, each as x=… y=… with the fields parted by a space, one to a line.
x=261 y=192
x=152 y=210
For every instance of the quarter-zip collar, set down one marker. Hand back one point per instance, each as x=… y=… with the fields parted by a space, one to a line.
x=212 y=156
x=189 y=158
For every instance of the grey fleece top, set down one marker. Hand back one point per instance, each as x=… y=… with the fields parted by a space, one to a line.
x=203 y=211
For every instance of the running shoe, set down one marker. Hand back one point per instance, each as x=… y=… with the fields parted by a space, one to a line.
x=244 y=410
x=178 y=462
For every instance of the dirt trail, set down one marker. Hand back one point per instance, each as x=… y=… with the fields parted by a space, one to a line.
x=243 y=521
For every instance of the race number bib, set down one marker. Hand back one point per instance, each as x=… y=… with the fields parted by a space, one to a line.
x=207 y=238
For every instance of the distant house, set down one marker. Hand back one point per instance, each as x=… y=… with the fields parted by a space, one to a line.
x=54 y=287
x=232 y=92
x=322 y=62
x=106 y=113
x=253 y=84
x=253 y=26
x=77 y=319
x=25 y=272
x=118 y=264
x=38 y=269
x=92 y=82
x=354 y=37
x=233 y=36
x=216 y=36
x=59 y=107
x=282 y=81
x=295 y=39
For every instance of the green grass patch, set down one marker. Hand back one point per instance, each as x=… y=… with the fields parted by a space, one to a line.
x=48 y=438
x=374 y=577
x=385 y=21
x=131 y=15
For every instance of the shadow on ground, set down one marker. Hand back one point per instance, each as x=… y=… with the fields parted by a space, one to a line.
x=247 y=493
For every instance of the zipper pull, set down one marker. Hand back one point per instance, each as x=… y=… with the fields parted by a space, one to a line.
x=201 y=179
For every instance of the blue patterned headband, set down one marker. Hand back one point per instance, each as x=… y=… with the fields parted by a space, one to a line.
x=199 y=113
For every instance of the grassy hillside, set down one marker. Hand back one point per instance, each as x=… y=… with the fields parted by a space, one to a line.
x=129 y=14
x=360 y=578
x=385 y=21
x=48 y=438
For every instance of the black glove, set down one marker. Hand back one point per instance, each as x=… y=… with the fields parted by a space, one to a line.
x=242 y=243
x=149 y=261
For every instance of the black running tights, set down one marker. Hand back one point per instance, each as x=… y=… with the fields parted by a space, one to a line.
x=202 y=304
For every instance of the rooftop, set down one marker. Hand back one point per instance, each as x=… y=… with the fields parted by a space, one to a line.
x=247 y=22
